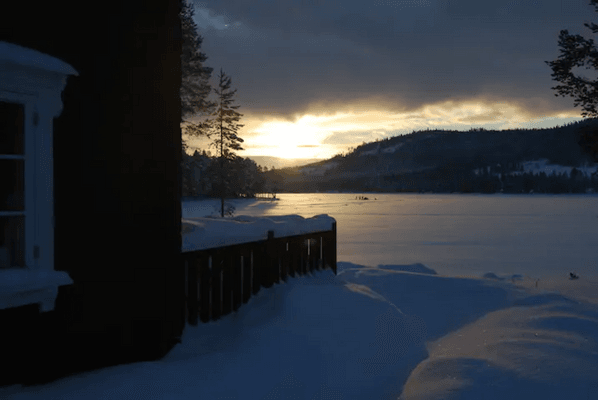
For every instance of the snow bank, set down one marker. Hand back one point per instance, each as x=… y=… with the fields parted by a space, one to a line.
x=369 y=333
x=205 y=233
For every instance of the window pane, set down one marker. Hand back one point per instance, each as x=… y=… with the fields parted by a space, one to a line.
x=12 y=242
x=12 y=185
x=12 y=125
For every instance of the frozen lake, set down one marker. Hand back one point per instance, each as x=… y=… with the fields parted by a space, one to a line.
x=453 y=234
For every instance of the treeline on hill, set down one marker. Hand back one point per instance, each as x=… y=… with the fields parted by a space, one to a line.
x=451 y=161
x=200 y=176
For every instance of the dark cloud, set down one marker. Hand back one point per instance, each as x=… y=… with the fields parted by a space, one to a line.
x=287 y=57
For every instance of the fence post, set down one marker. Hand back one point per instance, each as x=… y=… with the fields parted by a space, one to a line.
x=256 y=267
x=320 y=253
x=228 y=272
x=216 y=287
x=269 y=262
x=247 y=271
x=292 y=254
x=191 y=267
x=202 y=261
x=304 y=256
x=237 y=266
x=310 y=256
x=334 y=247
x=284 y=260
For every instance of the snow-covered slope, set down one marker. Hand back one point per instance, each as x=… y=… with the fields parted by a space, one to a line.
x=369 y=333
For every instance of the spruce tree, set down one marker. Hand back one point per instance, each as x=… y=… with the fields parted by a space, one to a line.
x=195 y=85
x=224 y=129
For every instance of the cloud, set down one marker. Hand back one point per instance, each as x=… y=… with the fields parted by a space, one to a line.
x=334 y=73
x=410 y=52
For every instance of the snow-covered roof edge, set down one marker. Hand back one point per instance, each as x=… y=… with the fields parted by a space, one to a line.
x=32 y=58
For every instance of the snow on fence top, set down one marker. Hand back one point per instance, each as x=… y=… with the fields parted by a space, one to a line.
x=206 y=233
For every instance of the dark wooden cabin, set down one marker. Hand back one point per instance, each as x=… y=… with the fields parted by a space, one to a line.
x=116 y=188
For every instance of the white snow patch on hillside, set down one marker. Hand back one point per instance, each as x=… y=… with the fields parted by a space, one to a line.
x=318 y=170
x=392 y=149
x=372 y=152
x=538 y=166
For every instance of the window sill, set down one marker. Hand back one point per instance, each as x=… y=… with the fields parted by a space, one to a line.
x=22 y=286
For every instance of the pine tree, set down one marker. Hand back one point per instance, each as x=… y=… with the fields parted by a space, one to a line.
x=224 y=128
x=577 y=51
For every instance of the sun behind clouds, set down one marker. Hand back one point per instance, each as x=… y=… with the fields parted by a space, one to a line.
x=285 y=139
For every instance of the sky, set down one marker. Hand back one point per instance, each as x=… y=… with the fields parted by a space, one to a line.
x=315 y=78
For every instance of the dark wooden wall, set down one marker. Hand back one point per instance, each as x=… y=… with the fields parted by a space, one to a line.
x=117 y=150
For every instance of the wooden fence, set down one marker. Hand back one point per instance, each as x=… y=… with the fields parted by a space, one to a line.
x=220 y=280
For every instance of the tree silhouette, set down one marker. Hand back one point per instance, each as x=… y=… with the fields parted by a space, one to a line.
x=224 y=128
x=195 y=85
x=577 y=51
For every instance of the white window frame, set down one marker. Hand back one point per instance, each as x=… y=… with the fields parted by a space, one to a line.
x=28 y=102
x=34 y=80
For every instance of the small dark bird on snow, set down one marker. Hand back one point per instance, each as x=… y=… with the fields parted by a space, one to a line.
x=573 y=276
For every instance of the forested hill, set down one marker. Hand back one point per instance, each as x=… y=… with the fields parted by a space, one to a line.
x=446 y=161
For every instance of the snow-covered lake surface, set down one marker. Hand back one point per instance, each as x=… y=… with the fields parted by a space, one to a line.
x=436 y=297
x=456 y=235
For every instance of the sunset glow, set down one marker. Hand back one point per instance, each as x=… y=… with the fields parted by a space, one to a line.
x=323 y=135
x=327 y=134
x=315 y=79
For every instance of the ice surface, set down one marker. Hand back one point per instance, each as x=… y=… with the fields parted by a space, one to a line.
x=457 y=235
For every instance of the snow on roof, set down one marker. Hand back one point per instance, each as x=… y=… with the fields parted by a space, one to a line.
x=32 y=58
x=205 y=233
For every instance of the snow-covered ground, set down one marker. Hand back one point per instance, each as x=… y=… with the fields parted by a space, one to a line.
x=383 y=329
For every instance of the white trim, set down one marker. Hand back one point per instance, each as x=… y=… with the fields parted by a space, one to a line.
x=36 y=81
